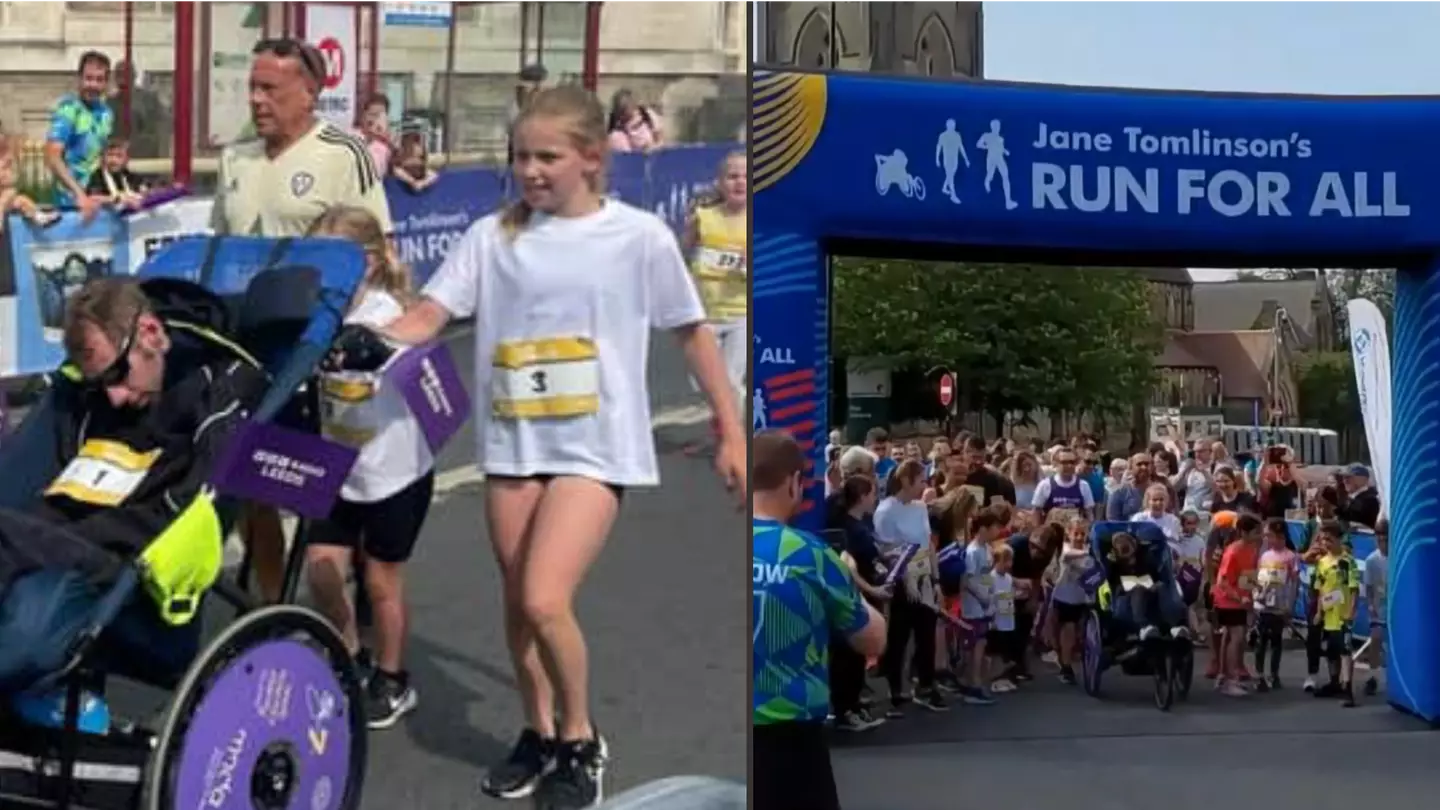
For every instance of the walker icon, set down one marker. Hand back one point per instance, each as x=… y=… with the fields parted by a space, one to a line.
x=992 y=144
x=949 y=149
x=761 y=421
x=893 y=170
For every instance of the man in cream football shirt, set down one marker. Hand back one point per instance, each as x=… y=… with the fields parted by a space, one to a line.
x=276 y=184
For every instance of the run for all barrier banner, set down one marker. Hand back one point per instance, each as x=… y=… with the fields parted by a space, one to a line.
x=1370 y=347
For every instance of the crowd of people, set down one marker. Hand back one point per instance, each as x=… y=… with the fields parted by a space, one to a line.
x=973 y=554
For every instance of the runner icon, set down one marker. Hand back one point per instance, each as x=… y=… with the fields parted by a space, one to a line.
x=949 y=149
x=761 y=421
x=992 y=144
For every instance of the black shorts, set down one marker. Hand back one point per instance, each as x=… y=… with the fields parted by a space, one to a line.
x=1335 y=644
x=386 y=530
x=1069 y=614
x=790 y=768
x=546 y=478
x=1232 y=617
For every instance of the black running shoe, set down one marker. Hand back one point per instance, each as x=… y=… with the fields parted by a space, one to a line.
x=578 y=779
x=520 y=773
x=389 y=698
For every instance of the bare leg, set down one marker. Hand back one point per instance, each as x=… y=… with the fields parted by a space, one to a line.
x=570 y=527
x=385 y=582
x=327 y=567
x=511 y=505
x=264 y=535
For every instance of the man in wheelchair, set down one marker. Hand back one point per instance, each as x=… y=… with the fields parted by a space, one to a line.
x=148 y=398
x=1144 y=598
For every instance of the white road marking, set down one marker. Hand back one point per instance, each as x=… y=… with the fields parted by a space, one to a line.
x=447 y=481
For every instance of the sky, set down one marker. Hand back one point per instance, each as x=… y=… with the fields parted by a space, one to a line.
x=1308 y=47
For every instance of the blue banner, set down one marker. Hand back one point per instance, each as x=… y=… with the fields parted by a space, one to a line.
x=427 y=223
x=49 y=264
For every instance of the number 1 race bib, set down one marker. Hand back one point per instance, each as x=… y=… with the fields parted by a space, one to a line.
x=554 y=378
x=103 y=473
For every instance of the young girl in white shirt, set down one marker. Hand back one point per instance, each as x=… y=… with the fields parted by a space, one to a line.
x=565 y=286
x=386 y=498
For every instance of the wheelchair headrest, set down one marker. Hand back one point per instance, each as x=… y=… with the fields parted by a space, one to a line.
x=275 y=311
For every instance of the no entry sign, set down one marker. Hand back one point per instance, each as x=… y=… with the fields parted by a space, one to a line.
x=947 y=389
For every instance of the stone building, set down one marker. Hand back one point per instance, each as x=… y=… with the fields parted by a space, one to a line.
x=924 y=39
x=687 y=60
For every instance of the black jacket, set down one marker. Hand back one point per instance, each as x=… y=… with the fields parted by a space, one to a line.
x=209 y=390
x=1363 y=507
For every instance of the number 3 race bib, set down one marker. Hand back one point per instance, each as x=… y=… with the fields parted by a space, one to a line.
x=103 y=473
x=553 y=378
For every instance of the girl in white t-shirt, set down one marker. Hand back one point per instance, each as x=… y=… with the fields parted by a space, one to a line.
x=565 y=286
x=384 y=501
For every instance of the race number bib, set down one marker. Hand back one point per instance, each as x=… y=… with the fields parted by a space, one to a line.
x=718 y=263
x=1131 y=583
x=554 y=378
x=348 y=412
x=103 y=473
x=1331 y=599
x=1004 y=604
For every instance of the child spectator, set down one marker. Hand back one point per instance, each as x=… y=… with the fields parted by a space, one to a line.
x=12 y=201
x=1233 y=600
x=1377 y=580
x=1334 y=588
x=412 y=163
x=1276 y=584
x=113 y=181
x=976 y=604
x=1069 y=601
x=1002 y=640
x=1188 y=551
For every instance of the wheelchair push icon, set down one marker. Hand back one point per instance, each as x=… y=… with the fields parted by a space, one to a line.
x=893 y=170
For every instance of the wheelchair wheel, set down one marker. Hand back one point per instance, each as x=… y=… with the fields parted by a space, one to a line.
x=1184 y=672
x=1092 y=654
x=269 y=717
x=1164 y=675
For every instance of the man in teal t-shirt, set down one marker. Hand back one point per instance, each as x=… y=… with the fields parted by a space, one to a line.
x=80 y=126
x=803 y=594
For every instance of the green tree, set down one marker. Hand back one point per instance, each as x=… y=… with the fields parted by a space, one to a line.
x=1019 y=337
x=1326 y=383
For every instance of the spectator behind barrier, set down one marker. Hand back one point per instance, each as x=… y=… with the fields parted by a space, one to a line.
x=79 y=128
x=412 y=163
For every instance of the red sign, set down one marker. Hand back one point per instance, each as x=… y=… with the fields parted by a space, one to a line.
x=334 y=62
x=947 y=390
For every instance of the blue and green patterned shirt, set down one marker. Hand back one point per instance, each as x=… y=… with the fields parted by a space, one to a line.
x=82 y=130
x=802 y=595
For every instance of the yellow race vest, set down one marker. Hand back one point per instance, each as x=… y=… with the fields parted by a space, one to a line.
x=719 y=263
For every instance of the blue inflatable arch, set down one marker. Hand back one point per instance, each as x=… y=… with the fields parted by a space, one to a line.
x=855 y=164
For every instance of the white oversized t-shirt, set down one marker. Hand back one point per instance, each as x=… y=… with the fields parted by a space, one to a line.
x=358 y=409
x=563 y=313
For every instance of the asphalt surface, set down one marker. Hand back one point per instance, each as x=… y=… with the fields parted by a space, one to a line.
x=663 y=619
x=1052 y=746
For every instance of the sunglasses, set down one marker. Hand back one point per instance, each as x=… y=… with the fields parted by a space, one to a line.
x=119 y=371
x=288 y=48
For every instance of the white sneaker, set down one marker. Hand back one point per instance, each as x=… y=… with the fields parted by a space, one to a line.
x=1179 y=632
x=1309 y=684
x=1149 y=632
x=1051 y=657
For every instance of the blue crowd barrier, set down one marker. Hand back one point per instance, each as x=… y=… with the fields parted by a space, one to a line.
x=427 y=223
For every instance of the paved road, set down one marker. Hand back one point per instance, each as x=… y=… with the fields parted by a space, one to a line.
x=1051 y=746
x=662 y=613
